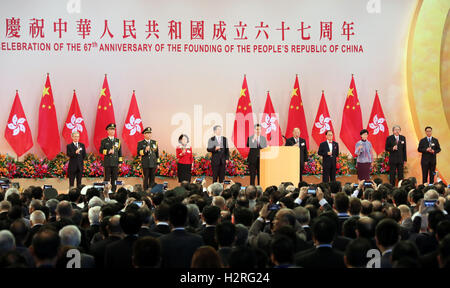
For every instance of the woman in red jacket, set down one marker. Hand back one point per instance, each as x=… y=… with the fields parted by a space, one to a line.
x=185 y=159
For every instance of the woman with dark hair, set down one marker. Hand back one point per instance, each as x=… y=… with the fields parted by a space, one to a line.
x=364 y=159
x=185 y=159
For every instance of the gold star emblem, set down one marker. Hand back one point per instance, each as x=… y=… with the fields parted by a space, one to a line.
x=353 y=107
x=104 y=108
x=245 y=108
x=102 y=93
x=294 y=92
x=292 y=106
x=43 y=106
x=348 y=107
x=297 y=107
x=243 y=91
x=350 y=92
x=239 y=107
x=45 y=91
x=99 y=107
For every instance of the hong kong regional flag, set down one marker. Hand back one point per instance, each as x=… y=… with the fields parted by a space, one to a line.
x=105 y=115
x=75 y=123
x=243 y=122
x=132 y=129
x=48 y=133
x=322 y=123
x=377 y=127
x=351 y=119
x=270 y=124
x=17 y=131
x=296 y=116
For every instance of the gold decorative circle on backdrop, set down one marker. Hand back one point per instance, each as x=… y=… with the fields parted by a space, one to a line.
x=427 y=75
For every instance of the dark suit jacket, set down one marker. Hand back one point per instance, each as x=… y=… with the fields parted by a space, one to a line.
x=399 y=155
x=220 y=156
x=303 y=150
x=162 y=229
x=145 y=231
x=323 y=151
x=253 y=154
x=111 y=160
x=178 y=247
x=118 y=254
x=208 y=235
x=75 y=160
x=322 y=257
x=428 y=157
x=29 y=238
x=98 y=249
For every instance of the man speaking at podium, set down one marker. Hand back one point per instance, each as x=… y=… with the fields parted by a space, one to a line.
x=296 y=140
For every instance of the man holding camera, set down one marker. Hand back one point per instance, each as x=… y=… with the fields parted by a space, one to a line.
x=77 y=153
x=111 y=149
x=429 y=147
x=148 y=150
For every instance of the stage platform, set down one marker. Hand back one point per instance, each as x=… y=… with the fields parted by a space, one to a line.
x=62 y=185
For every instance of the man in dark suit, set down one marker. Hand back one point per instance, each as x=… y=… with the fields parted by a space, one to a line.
x=296 y=140
x=146 y=217
x=211 y=215
x=396 y=146
x=387 y=234
x=178 y=246
x=115 y=232
x=161 y=217
x=220 y=154
x=77 y=153
x=323 y=255
x=111 y=149
x=119 y=253
x=429 y=147
x=255 y=142
x=329 y=150
x=148 y=150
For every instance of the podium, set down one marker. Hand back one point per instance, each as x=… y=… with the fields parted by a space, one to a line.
x=279 y=164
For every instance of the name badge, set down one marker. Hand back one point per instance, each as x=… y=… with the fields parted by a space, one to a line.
x=303 y=144
x=154 y=146
x=432 y=144
x=403 y=142
x=116 y=144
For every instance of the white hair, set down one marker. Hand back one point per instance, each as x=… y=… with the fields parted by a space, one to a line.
x=94 y=215
x=70 y=236
x=431 y=195
x=10 y=191
x=95 y=201
x=215 y=189
x=37 y=217
x=7 y=241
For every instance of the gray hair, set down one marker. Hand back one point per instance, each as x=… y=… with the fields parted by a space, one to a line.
x=70 y=236
x=215 y=189
x=431 y=195
x=5 y=205
x=10 y=191
x=94 y=215
x=76 y=132
x=396 y=126
x=218 y=201
x=7 y=241
x=52 y=204
x=302 y=215
x=95 y=201
x=35 y=204
x=37 y=217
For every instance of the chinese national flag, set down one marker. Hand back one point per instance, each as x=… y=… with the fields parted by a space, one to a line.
x=351 y=119
x=132 y=129
x=75 y=123
x=270 y=125
x=322 y=123
x=48 y=133
x=296 y=117
x=243 y=122
x=105 y=115
x=377 y=127
x=17 y=131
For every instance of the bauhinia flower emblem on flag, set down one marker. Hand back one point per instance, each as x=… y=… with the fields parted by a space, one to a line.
x=75 y=124
x=323 y=124
x=269 y=124
x=134 y=126
x=17 y=125
x=377 y=124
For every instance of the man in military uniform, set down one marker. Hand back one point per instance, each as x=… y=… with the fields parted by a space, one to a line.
x=148 y=150
x=111 y=149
